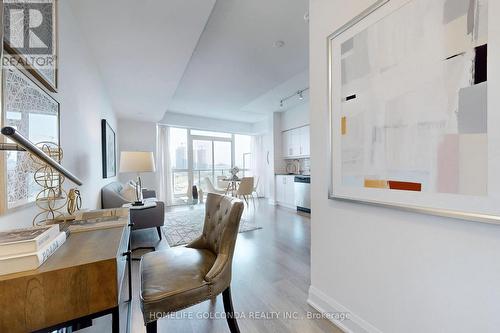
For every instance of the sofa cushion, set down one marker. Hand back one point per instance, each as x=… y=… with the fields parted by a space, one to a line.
x=128 y=192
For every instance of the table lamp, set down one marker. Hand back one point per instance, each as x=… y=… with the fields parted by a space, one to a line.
x=137 y=161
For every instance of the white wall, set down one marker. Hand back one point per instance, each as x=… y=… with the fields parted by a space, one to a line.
x=207 y=124
x=265 y=130
x=83 y=104
x=295 y=117
x=138 y=136
x=394 y=271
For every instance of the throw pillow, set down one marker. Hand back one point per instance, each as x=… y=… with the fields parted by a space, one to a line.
x=128 y=192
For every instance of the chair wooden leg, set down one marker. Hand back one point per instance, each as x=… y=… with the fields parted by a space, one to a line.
x=158 y=229
x=151 y=327
x=228 y=308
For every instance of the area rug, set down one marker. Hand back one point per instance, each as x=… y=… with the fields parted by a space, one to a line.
x=181 y=227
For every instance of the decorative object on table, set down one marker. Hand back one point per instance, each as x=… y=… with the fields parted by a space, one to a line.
x=40 y=60
x=29 y=261
x=108 y=138
x=74 y=201
x=41 y=155
x=183 y=226
x=195 y=192
x=234 y=172
x=99 y=219
x=137 y=162
x=52 y=196
x=31 y=110
x=409 y=127
x=26 y=240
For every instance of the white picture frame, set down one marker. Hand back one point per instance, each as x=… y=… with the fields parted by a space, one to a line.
x=481 y=208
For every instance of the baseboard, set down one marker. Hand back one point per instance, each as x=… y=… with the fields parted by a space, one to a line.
x=281 y=204
x=272 y=202
x=327 y=305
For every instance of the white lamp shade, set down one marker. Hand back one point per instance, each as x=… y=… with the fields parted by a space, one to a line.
x=137 y=161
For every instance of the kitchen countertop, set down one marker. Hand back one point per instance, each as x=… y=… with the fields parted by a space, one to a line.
x=290 y=174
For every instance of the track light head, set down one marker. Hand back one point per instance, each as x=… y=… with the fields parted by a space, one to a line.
x=281 y=103
x=301 y=94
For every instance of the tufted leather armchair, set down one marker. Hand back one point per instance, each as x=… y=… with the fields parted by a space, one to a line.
x=177 y=278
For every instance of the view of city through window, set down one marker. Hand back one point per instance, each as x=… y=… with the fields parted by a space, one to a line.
x=196 y=155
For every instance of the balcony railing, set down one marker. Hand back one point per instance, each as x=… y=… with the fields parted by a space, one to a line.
x=180 y=179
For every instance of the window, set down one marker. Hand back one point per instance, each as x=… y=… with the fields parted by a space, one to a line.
x=243 y=153
x=179 y=160
x=210 y=155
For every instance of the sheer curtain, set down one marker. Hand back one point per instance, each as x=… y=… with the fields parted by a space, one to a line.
x=164 y=173
x=258 y=162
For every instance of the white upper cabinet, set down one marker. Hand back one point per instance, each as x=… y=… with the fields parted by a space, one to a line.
x=296 y=142
x=286 y=144
x=306 y=141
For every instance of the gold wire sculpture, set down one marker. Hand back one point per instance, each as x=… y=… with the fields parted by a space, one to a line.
x=74 y=201
x=52 y=198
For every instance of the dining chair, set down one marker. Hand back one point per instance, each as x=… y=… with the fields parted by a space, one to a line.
x=180 y=277
x=246 y=189
x=211 y=188
x=221 y=183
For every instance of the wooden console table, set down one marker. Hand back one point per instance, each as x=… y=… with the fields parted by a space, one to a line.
x=88 y=277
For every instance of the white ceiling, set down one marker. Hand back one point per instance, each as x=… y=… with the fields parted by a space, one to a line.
x=199 y=57
x=270 y=101
x=235 y=72
x=142 y=48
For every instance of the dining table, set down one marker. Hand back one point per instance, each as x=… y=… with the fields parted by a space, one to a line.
x=232 y=185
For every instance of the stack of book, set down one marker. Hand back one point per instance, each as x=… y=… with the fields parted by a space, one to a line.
x=27 y=249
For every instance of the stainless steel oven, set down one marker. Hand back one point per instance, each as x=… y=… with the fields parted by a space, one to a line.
x=302 y=187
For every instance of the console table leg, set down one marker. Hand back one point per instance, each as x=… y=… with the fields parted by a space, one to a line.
x=115 y=314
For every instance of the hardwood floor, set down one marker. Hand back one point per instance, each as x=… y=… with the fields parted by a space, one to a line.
x=271 y=277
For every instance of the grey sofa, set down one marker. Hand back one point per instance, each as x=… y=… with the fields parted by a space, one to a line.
x=141 y=219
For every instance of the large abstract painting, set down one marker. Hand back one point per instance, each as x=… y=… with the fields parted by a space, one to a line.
x=32 y=111
x=409 y=108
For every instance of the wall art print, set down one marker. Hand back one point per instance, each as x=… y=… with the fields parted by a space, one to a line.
x=30 y=33
x=411 y=126
x=31 y=110
x=108 y=150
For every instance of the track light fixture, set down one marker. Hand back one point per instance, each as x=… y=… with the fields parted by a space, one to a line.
x=299 y=93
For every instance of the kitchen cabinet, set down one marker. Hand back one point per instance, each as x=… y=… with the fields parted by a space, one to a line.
x=305 y=142
x=286 y=143
x=285 y=192
x=296 y=142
